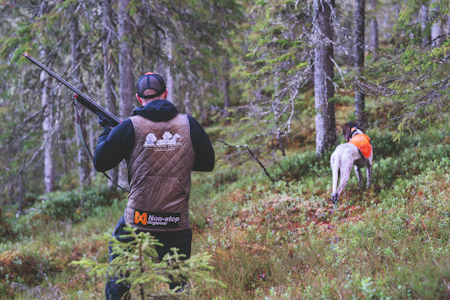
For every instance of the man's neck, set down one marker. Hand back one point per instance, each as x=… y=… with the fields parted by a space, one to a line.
x=151 y=100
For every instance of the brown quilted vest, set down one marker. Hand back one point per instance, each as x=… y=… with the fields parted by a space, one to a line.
x=159 y=170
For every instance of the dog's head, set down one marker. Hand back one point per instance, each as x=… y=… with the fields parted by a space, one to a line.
x=347 y=130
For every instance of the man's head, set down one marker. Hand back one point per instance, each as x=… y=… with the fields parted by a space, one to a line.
x=150 y=86
x=348 y=128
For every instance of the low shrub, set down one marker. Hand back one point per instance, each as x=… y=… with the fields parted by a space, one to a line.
x=75 y=205
x=17 y=267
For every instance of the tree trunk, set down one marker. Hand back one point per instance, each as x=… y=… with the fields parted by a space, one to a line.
x=359 y=60
x=125 y=74
x=169 y=75
x=323 y=74
x=110 y=100
x=187 y=104
x=20 y=191
x=226 y=87
x=226 y=95
x=436 y=30
x=83 y=159
x=424 y=23
x=374 y=43
x=447 y=27
x=92 y=142
x=47 y=104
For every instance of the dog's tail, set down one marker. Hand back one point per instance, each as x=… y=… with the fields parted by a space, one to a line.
x=335 y=168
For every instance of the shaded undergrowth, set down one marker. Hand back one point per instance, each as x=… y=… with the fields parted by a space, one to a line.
x=281 y=240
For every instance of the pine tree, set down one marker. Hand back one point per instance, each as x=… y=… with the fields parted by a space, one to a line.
x=110 y=100
x=359 y=60
x=374 y=40
x=323 y=75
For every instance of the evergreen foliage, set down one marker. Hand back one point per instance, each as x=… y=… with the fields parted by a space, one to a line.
x=136 y=266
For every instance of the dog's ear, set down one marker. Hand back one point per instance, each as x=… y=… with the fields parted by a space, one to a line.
x=346 y=130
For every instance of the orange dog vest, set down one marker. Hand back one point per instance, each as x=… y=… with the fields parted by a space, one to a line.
x=362 y=141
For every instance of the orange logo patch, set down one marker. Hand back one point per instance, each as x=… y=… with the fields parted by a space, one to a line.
x=140 y=218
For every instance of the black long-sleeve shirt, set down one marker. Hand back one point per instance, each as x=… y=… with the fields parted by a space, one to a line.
x=116 y=143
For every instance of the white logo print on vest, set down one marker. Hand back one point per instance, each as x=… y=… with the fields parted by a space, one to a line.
x=168 y=142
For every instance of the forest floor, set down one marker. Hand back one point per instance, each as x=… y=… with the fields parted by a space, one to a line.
x=281 y=240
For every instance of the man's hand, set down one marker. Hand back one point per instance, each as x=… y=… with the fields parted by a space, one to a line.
x=104 y=122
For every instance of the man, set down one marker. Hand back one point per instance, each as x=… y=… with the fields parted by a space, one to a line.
x=161 y=148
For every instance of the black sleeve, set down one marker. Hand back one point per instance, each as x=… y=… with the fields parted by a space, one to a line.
x=114 y=145
x=204 y=152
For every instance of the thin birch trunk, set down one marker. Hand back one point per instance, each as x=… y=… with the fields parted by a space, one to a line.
x=20 y=190
x=436 y=29
x=125 y=74
x=92 y=142
x=110 y=100
x=187 y=104
x=424 y=23
x=323 y=74
x=374 y=41
x=359 y=60
x=226 y=88
x=47 y=103
x=84 y=168
x=169 y=76
x=447 y=26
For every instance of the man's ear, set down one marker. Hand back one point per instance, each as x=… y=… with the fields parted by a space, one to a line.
x=139 y=99
x=164 y=95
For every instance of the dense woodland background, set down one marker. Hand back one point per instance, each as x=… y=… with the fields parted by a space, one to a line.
x=250 y=63
x=270 y=81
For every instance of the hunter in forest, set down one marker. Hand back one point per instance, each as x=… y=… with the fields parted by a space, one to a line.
x=161 y=147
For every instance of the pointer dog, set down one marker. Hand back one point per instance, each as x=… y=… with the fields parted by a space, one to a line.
x=357 y=152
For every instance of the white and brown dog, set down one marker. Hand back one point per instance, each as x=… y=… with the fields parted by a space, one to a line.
x=357 y=152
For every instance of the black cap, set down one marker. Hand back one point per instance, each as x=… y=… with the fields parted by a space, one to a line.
x=151 y=81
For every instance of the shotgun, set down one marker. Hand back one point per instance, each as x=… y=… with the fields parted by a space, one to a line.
x=83 y=99
x=87 y=102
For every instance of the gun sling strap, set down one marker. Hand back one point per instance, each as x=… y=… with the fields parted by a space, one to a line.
x=80 y=133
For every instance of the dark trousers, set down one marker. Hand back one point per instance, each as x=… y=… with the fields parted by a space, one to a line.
x=178 y=239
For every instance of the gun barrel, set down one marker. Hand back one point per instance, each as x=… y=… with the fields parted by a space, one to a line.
x=81 y=97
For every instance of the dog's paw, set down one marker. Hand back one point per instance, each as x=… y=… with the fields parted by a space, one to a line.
x=334 y=199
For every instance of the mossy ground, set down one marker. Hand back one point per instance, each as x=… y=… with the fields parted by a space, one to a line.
x=281 y=240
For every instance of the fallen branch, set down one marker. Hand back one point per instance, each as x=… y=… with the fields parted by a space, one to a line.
x=252 y=155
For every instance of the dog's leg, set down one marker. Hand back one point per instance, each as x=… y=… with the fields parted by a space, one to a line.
x=369 y=174
x=335 y=170
x=358 y=174
x=346 y=169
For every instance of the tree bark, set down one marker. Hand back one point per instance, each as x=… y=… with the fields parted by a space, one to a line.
x=20 y=190
x=447 y=27
x=323 y=75
x=226 y=87
x=47 y=104
x=374 y=42
x=110 y=100
x=187 y=104
x=436 y=30
x=359 y=60
x=75 y=36
x=169 y=73
x=424 y=23
x=125 y=74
